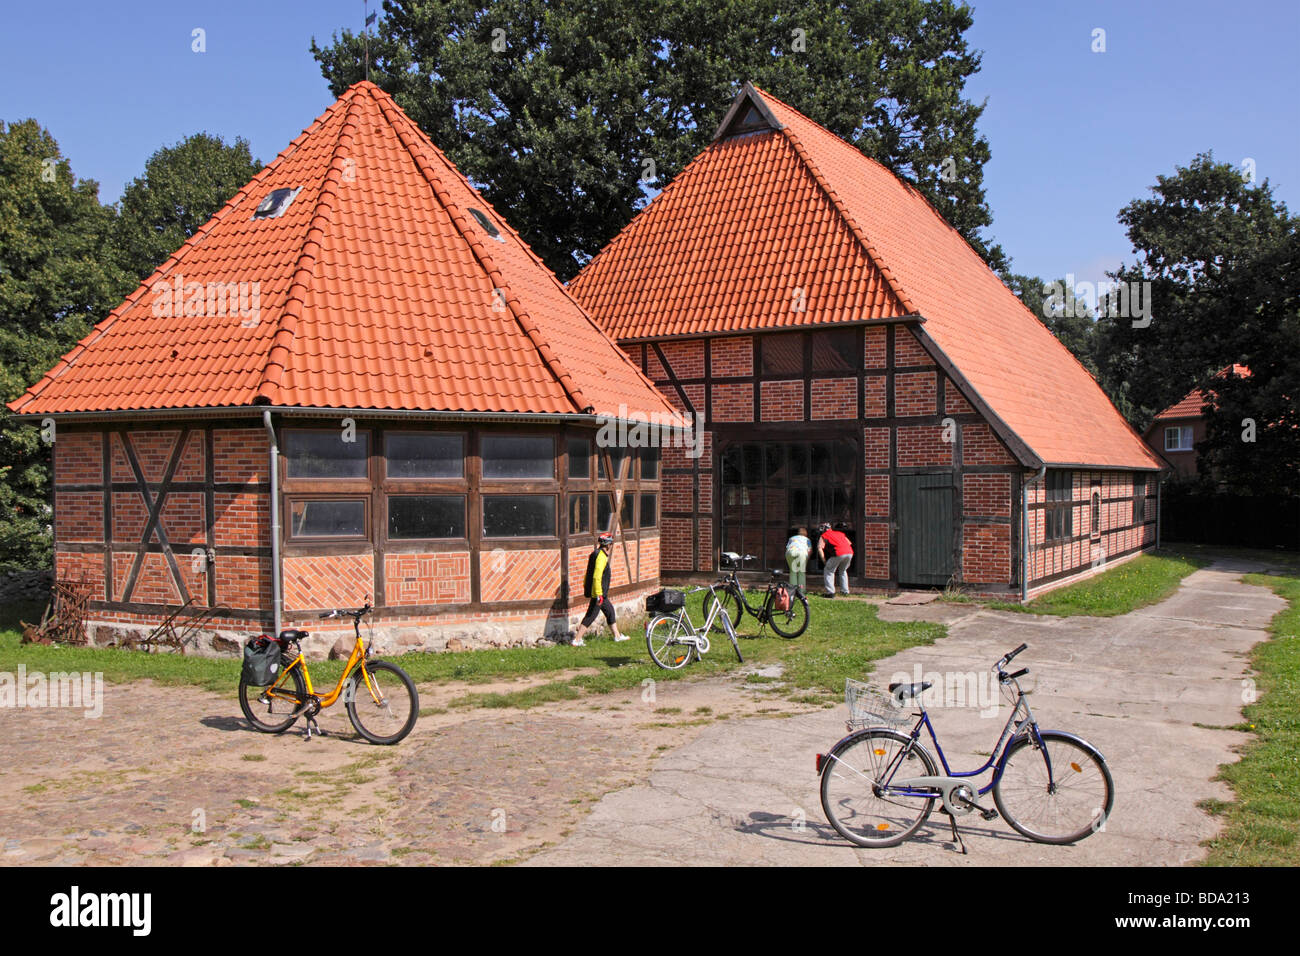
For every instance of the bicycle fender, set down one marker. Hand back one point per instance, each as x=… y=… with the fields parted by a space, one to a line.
x=1062 y=734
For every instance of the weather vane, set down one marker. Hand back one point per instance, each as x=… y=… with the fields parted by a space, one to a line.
x=370 y=18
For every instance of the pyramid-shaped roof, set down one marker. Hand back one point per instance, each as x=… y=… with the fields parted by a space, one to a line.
x=386 y=282
x=779 y=207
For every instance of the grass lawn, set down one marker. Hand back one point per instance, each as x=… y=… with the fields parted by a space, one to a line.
x=1262 y=826
x=843 y=639
x=1147 y=579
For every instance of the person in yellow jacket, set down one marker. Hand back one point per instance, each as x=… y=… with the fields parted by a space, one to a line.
x=596 y=586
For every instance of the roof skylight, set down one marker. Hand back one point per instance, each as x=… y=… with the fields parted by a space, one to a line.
x=488 y=226
x=274 y=205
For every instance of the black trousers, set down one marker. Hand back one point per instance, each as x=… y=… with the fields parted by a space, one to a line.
x=599 y=605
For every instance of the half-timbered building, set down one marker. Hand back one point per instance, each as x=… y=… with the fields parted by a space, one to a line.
x=855 y=361
x=354 y=383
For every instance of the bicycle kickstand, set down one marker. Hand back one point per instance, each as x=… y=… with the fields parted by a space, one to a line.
x=955 y=835
x=312 y=728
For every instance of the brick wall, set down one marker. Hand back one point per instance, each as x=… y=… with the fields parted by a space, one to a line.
x=729 y=357
x=78 y=516
x=519 y=575
x=979 y=446
x=733 y=402
x=439 y=578
x=782 y=401
x=675 y=535
x=686 y=358
x=921 y=446
x=875 y=347
x=986 y=553
x=915 y=394
x=908 y=351
x=873 y=559
x=834 y=398
x=76 y=566
x=241 y=455
x=986 y=496
x=874 y=388
x=327 y=581
x=79 y=459
x=875 y=447
x=241 y=519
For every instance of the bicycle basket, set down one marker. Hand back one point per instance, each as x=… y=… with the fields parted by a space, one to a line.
x=667 y=601
x=868 y=707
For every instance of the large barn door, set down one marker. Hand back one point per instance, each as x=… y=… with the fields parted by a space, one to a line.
x=925 y=529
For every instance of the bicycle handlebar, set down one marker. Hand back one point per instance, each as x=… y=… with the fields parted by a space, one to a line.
x=358 y=613
x=1006 y=658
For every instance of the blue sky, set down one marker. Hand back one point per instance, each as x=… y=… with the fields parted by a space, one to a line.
x=1074 y=134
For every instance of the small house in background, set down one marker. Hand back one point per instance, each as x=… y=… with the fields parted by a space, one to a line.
x=354 y=382
x=855 y=361
x=1177 y=430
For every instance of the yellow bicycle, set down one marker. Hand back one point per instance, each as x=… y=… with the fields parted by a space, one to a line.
x=380 y=697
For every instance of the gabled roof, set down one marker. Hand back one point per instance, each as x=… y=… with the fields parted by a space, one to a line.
x=784 y=210
x=377 y=287
x=1192 y=405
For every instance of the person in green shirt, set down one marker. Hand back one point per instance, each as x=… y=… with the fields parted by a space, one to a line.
x=596 y=586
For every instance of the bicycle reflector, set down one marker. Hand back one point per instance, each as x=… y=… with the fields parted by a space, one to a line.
x=820 y=759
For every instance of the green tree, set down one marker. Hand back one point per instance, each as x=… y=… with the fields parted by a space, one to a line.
x=569 y=113
x=57 y=276
x=1252 y=441
x=1204 y=236
x=183 y=186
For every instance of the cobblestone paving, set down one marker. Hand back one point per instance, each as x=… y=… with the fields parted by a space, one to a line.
x=174 y=776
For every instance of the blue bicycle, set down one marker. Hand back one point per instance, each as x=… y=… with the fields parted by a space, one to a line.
x=878 y=784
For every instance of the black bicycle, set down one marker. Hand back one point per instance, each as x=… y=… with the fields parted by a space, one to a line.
x=789 y=621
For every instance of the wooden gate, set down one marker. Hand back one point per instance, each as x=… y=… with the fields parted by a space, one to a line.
x=926 y=536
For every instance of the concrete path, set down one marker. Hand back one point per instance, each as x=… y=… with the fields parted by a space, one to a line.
x=1148 y=689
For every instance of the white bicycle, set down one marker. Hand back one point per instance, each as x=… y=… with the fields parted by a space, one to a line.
x=671 y=637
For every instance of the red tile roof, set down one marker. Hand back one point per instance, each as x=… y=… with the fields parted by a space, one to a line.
x=1192 y=404
x=759 y=215
x=376 y=289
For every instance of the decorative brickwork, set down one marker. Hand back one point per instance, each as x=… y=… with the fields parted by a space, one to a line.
x=441 y=578
x=328 y=581
x=519 y=575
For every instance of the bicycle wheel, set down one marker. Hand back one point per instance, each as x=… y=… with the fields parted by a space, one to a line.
x=850 y=799
x=386 y=714
x=1076 y=803
x=731 y=603
x=664 y=639
x=792 y=622
x=271 y=708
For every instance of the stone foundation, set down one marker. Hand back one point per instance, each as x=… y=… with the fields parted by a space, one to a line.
x=391 y=636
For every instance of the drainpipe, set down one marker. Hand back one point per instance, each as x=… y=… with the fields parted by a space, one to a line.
x=1159 y=484
x=276 y=601
x=1024 y=532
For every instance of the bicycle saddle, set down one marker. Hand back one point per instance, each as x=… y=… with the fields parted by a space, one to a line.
x=904 y=691
x=291 y=634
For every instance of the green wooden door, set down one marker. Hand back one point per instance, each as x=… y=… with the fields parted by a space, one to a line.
x=925 y=529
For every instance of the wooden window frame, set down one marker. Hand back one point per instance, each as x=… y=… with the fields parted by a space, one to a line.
x=289 y=499
x=462 y=495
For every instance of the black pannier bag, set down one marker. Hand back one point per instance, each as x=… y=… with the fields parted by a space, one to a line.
x=666 y=601
x=261 y=661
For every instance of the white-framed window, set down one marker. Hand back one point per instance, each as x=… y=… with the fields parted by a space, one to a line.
x=1178 y=438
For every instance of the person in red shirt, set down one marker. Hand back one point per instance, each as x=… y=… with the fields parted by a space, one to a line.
x=837 y=562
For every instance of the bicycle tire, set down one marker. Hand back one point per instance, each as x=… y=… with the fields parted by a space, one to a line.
x=390 y=719
x=1084 y=789
x=847 y=788
x=662 y=637
x=281 y=707
x=793 y=622
x=731 y=603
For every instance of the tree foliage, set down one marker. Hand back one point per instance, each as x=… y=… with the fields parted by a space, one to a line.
x=569 y=113
x=1203 y=231
x=183 y=186
x=58 y=275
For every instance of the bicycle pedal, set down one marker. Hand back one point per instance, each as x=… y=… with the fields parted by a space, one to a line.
x=989 y=814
